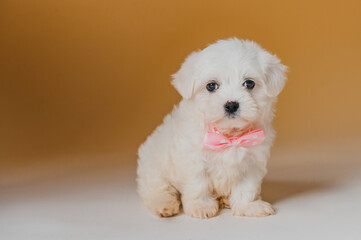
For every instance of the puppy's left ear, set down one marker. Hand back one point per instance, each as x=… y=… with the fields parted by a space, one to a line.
x=184 y=80
x=275 y=73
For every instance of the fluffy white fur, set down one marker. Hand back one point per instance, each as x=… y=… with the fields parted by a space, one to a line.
x=174 y=168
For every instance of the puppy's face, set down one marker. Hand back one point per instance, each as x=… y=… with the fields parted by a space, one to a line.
x=231 y=82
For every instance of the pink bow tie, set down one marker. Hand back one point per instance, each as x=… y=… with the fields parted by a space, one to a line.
x=215 y=140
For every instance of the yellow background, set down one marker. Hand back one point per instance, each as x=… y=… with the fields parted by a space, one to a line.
x=93 y=77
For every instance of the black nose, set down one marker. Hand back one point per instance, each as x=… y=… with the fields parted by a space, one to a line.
x=231 y=107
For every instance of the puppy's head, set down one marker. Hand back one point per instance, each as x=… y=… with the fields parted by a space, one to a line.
x=232 y=82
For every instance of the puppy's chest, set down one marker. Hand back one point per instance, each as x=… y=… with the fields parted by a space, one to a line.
x=225 y=168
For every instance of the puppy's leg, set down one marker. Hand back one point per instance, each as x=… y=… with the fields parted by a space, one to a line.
x=159 y=196
x=245 y=198
x=197 y=199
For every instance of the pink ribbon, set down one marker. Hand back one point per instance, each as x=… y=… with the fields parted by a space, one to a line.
x=216 y=141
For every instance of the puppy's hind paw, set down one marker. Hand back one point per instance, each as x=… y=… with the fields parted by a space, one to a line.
x=168 y=209
x=256 y=208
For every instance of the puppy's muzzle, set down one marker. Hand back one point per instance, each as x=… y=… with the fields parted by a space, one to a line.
x=231 y=107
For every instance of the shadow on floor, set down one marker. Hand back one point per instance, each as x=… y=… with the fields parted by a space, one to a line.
x=276 y=191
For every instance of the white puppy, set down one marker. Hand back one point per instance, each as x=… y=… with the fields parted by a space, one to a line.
x=229 y=87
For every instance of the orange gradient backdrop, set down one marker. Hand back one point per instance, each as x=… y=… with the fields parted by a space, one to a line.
x=94 y=76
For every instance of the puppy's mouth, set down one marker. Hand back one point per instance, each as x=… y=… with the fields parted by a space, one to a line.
x=232 y=115
x=235 y=128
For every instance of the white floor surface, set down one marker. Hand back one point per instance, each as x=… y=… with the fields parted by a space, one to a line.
x=316 y=189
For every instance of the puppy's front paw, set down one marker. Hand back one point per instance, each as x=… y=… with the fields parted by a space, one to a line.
x=201 y=208
x=256 y=208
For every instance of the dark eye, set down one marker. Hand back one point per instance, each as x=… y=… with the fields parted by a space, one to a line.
x=212 y=86
x=249 y=84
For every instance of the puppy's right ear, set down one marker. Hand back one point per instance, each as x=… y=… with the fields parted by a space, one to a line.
x=184 y=80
